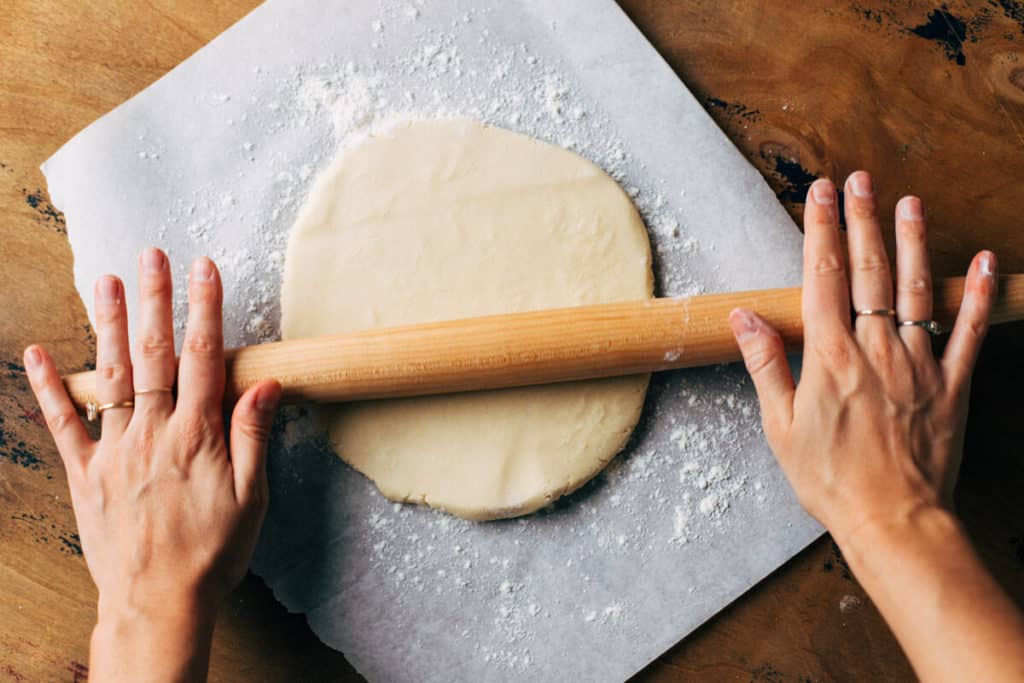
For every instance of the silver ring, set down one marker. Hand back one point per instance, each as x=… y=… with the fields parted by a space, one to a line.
x=929 y=326
x=888 y=312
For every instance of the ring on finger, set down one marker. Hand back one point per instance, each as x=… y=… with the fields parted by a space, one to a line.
x=158 y=390
x=932 y=327
x=93 y=410
x=888 y=312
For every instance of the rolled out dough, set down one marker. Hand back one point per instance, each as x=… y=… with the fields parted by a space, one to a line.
x=443 y=219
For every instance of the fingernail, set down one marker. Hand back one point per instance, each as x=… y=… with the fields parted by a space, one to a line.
x=744 y=324
x=988 y=264
x=264 y=404
x=823 y=191
x=152 y=260
x=910 y=208
x=108 y=290
x=267 y=399
x=202 y=269
x=33 y=358
x=860 y=184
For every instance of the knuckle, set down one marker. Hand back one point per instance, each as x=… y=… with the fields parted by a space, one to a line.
x=833 y=351
x=977 y=327
x=194 y=431
x=827 y=265
x=60 y=421
x=759 y=359
x=145 y=438
x=884 y=356
x=114 y=372
x=917 y=285
x=928 y=374
x=203 y=343
x=254 y=429
x=871 y=264
x=155 y=345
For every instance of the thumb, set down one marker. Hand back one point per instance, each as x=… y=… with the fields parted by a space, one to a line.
x=250 y=430
x=972 y=322
x=765 y=358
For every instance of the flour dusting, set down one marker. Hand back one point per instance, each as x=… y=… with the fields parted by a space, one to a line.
x=349 y=99
x=690 y=480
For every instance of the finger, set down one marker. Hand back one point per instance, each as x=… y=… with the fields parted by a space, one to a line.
x=826 y=295
x=971 y=322
x=155 y=365
x=250 y=431
x=68 y=432
x=913 y=276
x=870 y=281
x=201 y=369
x=113 y=359
x=765 y=358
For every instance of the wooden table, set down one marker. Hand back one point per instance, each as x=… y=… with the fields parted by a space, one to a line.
x=929 y=99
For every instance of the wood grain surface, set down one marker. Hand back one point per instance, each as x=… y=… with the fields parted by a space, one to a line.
x=929 y=97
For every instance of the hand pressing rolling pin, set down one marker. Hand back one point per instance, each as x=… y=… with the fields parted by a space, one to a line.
x=169 y=506
x=871 y=439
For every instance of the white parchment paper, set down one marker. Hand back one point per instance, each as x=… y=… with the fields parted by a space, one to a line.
x=216 y=157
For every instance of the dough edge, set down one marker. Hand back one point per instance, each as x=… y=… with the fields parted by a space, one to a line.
x=529 y=505
x=543 y=497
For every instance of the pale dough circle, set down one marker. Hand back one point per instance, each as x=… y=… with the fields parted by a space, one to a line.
x=442 y=219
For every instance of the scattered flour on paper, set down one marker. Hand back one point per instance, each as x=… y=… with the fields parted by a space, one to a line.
x=690 y=481
x=348 y=100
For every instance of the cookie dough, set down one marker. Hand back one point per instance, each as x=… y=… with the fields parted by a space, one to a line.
x=440 y=219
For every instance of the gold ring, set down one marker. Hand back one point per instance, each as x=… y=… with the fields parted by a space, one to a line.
x=158 y=390
x=93 y=409
x=889 y=312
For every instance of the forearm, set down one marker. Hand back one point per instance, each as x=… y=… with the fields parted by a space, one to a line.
x=953 y=620
x=132 y=645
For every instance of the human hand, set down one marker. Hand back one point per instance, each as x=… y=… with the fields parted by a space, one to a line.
x=167 y=513
x=874 y=431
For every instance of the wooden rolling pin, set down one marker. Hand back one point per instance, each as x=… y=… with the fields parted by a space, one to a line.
x=539 y=347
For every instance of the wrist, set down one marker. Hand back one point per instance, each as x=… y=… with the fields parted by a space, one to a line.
x=128 y=638
x=173 y=614
x=912 y=526
x=155 y=604
x=949 y=614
